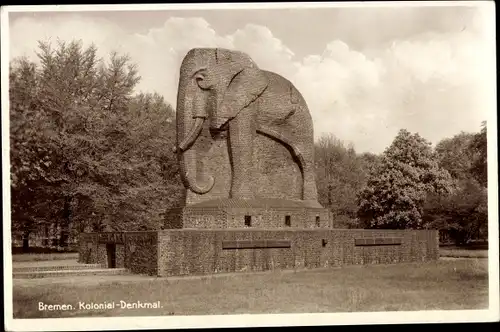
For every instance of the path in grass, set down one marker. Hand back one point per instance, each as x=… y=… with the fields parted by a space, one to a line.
x=34 y=264
x=445 y=284
x=463 y=253
x=44 y=257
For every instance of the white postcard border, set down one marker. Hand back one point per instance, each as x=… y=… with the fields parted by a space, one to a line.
x=157 y=322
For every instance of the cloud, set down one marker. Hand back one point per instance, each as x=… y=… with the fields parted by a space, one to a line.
x=430 y=83
x=266 y=50
x=338 y=86
x=25 y=32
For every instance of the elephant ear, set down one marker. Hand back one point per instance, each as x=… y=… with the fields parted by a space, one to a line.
x=247 y=83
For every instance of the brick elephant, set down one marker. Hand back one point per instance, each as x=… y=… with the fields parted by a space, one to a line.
x=227 y=89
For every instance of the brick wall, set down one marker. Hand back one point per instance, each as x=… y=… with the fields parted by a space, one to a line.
x=214 y=218
x=87 y=244
x=202 y=250
x=278 y=175
x=179 y=252
x=276 y=218
x=136 y=251
x=141 y=252
x=173 y=218
x=102 y=256
x=204 y=218
x=120 y=255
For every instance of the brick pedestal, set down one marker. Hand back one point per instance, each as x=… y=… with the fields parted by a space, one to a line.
x=179 y=252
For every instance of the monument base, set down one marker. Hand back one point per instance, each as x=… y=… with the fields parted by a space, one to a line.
x=256 y=213
x=181 y=252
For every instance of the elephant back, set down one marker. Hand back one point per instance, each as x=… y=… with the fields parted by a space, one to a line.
x=280 y=101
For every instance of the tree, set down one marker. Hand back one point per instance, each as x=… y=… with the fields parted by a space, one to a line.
x=465 y=155
x=339 y=175
x=462 y=214
x=84 y=99
x=145 y=180
x=480 y=164
x=369 y=163
x=32 y=181
x=454 y=155
x=396 y=189
x=90 y=153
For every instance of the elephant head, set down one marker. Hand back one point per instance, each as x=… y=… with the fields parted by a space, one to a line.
x=214 y=84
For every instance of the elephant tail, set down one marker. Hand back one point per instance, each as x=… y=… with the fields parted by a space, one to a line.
x=266 y=131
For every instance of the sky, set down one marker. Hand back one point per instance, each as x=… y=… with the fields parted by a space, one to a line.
x=365 y=72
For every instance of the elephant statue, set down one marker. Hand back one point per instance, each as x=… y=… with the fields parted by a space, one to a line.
x=224 y=90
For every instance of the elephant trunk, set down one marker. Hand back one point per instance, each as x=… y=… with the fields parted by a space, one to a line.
x=190 y=120
x=191 y=137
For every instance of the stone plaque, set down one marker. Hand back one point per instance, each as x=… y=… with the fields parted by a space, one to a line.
x=378 y=241
x=256 y=244
x=112 y=238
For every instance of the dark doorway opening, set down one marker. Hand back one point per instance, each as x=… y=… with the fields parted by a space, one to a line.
x=317 y=221
x=288 y=221
x=248 y=221
x=111 y=252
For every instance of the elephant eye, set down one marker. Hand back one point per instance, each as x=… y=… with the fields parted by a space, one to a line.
x=201 y=79
x=200 y=75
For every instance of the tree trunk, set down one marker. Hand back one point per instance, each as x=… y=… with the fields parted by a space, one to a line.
x=26 y=242
x=329 y=195
x=63 y=236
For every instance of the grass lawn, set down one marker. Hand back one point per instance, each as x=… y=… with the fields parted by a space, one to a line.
x=446 y=284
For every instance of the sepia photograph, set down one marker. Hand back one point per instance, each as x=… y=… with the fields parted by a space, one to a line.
x=249 y=164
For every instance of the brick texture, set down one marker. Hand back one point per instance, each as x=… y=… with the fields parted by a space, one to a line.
x=200 y=251
x=138 y=252
x=310 y=248
x=256 y=139
x=227 y=213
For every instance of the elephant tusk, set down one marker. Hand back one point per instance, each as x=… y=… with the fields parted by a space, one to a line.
x=191 y=137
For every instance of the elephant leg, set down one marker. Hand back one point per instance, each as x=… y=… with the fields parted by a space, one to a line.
x=242 y=131
x=309 y=188
x=304 y=156
x=309 y=193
